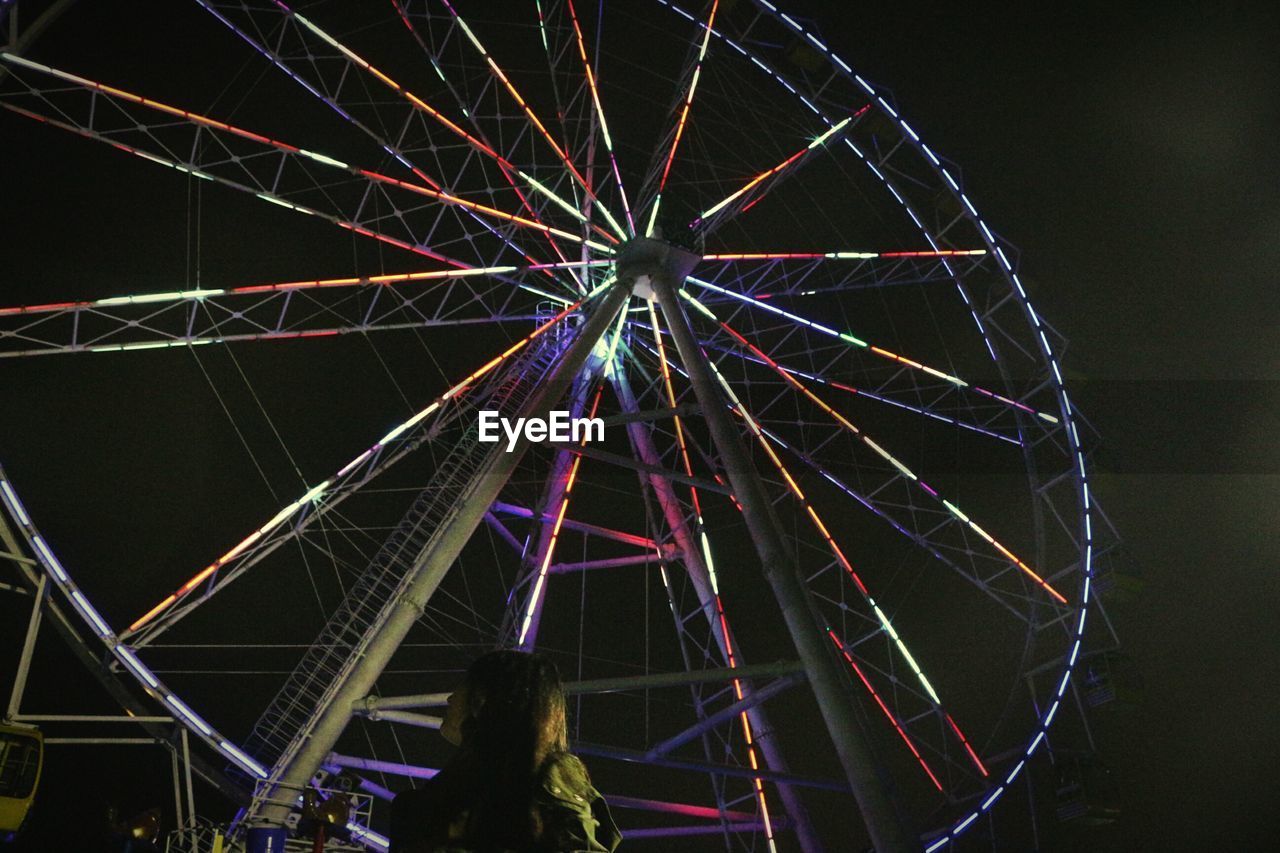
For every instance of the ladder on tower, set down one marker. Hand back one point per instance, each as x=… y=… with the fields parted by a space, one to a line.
x=287 y=721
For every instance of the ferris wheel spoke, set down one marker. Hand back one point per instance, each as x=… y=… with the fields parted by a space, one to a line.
x=346 y=106
x=877 y=351
x=295 y=518
x=509 y=171
x=279 y=311
x=682 y=119
x=817 y=376
x=882 y=622
x=599 y=112
x=298 y=35
x=793 y=278
x=870 y=499
x=750 y=193
x=894 y=721
x=903 y=470
x=794 y=488
x=272 y=170
x=502 y=77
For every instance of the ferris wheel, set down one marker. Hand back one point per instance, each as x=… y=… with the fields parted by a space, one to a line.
x=821 y=578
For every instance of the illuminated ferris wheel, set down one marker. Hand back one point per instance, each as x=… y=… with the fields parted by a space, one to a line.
x=824 y=579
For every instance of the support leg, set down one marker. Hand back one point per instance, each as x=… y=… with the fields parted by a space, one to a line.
x=667 y=268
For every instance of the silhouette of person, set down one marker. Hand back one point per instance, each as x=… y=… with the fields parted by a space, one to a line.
x=512 y=785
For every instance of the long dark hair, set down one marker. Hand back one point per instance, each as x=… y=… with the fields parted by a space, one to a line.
x=515 y=722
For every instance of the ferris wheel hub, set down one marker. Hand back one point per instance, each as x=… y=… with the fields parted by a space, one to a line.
x=641 y=259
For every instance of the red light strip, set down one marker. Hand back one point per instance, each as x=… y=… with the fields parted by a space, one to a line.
x=205 y=121
x=969 y=749
x=886 y=624
x=341 y=223
x=885 y=708
x=479 y=208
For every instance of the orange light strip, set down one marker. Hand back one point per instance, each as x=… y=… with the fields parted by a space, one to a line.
x=309 y=284
x=503 y=166
x=318 y=491
x=480 y=208
x=322 y=159
x=420 y=104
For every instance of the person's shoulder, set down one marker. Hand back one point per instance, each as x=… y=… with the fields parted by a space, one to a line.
x=565 y=777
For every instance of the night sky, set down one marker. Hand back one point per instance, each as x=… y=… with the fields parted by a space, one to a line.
x=1129 y=153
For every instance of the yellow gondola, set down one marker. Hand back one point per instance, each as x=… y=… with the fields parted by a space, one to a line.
x=21 y=759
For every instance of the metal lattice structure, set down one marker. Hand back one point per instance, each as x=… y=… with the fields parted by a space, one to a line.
x=810 y=353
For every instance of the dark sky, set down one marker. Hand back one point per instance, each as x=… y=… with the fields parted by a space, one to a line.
x=1129 y=152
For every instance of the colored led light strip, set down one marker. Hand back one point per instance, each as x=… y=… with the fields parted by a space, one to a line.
x=849 y=144
x=533 y=118
x=595 y=99
x=893 y=720
x=422 y=105
x=888 y=457
x=973 y=756
x=705 y=543
x=439 y=195
x=831 y=383
x=858 y=342
x=276 y=60
x=885 y=623
x=536 y=595
x=684 y=114
x=448 y=198
x=354 y=281
x=318 y=491
x=768 y=173
x=843 y=256
x=350 y=226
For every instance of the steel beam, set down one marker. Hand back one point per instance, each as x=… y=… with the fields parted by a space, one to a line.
x=426 y=575
x=750 y=700
x=500 y=508
x=667 y=268
x=700 y=577
x=605 y=685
